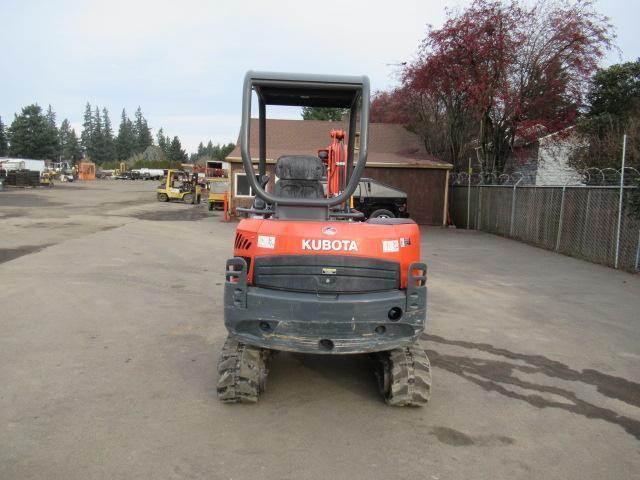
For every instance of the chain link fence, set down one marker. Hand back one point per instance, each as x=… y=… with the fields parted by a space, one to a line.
x=581 y=218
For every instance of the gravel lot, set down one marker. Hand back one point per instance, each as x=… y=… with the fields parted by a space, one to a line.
x=111 y=324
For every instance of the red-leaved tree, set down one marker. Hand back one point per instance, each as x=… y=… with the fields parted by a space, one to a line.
x=390 y=107
x=497 y=71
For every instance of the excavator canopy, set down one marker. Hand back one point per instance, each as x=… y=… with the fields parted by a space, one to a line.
x=306 y=90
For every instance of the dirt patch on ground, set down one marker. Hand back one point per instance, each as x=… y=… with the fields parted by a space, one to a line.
x=123 y=203
x=51 y=225
x=183 y=215
x=456 y=438
x=499 y=374
x=25 y=200
x=12 y=214
x=8 y=254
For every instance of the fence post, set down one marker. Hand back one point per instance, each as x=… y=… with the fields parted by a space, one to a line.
x=479 y=207
x=469 y=194
x=624 y=148
x=564 y=189
x=638 y=252
x=513 y=206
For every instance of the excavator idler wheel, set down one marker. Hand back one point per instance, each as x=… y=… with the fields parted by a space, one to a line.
x=404 y=376
x=242 y=372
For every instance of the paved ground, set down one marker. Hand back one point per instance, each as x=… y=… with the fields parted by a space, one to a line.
x=111 y=324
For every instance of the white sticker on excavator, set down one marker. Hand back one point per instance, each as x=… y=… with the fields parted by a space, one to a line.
x=390 y=246
x=266 y=241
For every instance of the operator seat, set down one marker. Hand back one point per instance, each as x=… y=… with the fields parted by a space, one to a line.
x=299 y=177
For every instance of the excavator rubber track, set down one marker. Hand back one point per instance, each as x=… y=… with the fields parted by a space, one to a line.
x=242 y=372
x=404 y=376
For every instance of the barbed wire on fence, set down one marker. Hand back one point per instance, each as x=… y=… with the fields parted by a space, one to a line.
x=592 y=176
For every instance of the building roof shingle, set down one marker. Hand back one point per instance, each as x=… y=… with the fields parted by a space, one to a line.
x=389 y=144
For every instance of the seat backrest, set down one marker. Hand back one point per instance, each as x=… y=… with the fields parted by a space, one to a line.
x=299 y=167
x=299 y=189
x=299 y=177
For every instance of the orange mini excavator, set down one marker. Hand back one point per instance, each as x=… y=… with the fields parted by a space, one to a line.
x=308 y=275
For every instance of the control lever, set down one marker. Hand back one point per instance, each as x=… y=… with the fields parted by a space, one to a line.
x=263 y=180
x=258 y=203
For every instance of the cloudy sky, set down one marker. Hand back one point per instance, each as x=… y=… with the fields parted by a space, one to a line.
x=183 y=62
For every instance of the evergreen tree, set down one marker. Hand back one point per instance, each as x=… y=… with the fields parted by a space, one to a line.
x=614 y=109
x=225 y=150
x=63 y=139
x=217 y=152
x=75 y=151
x=51 y=124
x=69 y=145
x=142 y=132
x=31 y=135
x=97 y=138
x=4 y=145
x=323 y=113
x=126 y=140
x=176 y=153
x=86 y=136
x=220 y=152
x=162 y=141
x=51 y=116
x=108 y=153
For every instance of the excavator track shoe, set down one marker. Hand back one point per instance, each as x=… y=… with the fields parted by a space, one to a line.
x=242 y=372
x=405 y=376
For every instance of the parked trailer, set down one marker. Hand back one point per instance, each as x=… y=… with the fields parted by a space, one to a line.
x=23 y=164
x=151 y=173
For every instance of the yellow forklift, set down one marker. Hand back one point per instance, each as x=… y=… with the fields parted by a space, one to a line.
x=180 y=185
x=46 y=178
x=120 y=170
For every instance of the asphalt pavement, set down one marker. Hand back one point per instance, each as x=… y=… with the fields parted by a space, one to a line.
x=111 y=325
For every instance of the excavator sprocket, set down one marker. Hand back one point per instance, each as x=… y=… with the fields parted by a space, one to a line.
x=404 y=376
x=242 y=372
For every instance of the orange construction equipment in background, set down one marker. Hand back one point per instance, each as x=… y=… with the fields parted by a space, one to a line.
x=86 y=171
x=225 y=207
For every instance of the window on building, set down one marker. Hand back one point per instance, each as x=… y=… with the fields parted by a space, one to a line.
x=241 y=187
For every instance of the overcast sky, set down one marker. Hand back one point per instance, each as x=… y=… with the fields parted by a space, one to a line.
x=183 y=62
